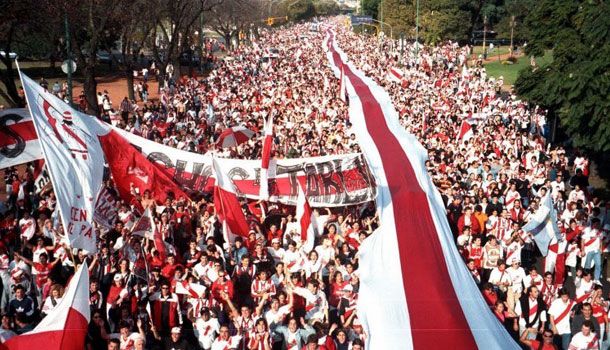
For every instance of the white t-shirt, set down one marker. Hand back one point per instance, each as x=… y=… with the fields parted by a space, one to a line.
x=582 y=342
x=517 y=276
x=592 y=240
x=557 y=308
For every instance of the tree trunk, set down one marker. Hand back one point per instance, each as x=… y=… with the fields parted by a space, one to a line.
x=90 y=87
x=8 y=79
x=129 y=76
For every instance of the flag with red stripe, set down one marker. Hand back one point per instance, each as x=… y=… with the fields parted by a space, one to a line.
x=266 y=158
x=227 y=205
x=465 y=133
x=65 y=327
x=306 y=220
x=415 y=290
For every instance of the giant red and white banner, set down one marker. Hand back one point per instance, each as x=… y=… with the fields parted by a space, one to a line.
x=415 y=290
x=73 y=157
x=330 y=181
x=18 y=139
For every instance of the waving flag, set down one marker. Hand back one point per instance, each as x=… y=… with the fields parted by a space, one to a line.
x=74 y=159
x=194 y=290
x=306 y=219
x=132 y=172
x=410 y=268
x=145 y=226
x=65 y=327
x=266 y=158
x=227 y=205
x=465 y=132
x=18 y=139
x=543 y=225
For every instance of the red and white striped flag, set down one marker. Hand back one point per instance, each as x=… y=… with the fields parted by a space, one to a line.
x=409 y=267
x=465 y=132
x=266 y=158
x=306 y=220
x=227 y=205
x=65 y=327
x=194 y=290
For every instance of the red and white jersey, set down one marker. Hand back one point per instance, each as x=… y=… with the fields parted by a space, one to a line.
x=549 y=293
x=260 y=287
x=513 y=253
x=244 y=324
x=229 y=343
x=572 y=253
x=591 y=239
x=206 y=331
x=293 y=261
x=256 y=341
x=583 y=290
x=511 y=197
x=582 y=342
x=27 y=227
x=276 y=254
x=561 y=314
x=315 y=304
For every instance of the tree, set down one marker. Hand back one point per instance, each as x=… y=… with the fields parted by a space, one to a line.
x=175 y=20
x=400 y=15
x=575 y=85
x=19 y=19
x=232 y=17
x=370 y=7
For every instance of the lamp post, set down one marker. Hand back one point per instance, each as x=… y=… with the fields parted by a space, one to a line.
x=484 y=37
x=402 y=47
x=417 y=28
x=512 y=32
x=69 y=58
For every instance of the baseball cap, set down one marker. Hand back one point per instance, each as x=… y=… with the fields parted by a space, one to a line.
x=176 y=330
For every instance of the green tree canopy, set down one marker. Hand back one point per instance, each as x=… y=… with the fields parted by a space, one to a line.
x=576 y=84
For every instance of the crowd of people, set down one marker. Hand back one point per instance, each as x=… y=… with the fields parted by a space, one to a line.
x=266 y=290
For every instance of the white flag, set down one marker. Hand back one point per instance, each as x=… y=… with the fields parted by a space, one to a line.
x=74 y=158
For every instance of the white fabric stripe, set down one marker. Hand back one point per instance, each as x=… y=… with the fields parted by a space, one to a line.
x=76 y=297
x=382 y=305
x=487 y=330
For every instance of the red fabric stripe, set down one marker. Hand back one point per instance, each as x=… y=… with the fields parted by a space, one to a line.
x=72 y=337
x=434 y=308
x=305 y=221
x=266 y=152
x=24 y=129
x=228 y=209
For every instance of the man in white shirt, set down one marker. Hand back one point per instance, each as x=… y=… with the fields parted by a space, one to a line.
x=500 y=278
x=586 y=339
x=591 y=247
x=559 y=315
x=517 y=275
x=531 y=310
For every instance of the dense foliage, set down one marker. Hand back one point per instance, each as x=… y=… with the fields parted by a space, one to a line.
x=576 y=84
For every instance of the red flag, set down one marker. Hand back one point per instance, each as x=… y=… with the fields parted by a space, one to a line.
x=227 y=205
x=128 y=166
x=65 y=327
x=306 y=220
x=465 y=132
x=266 y=158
